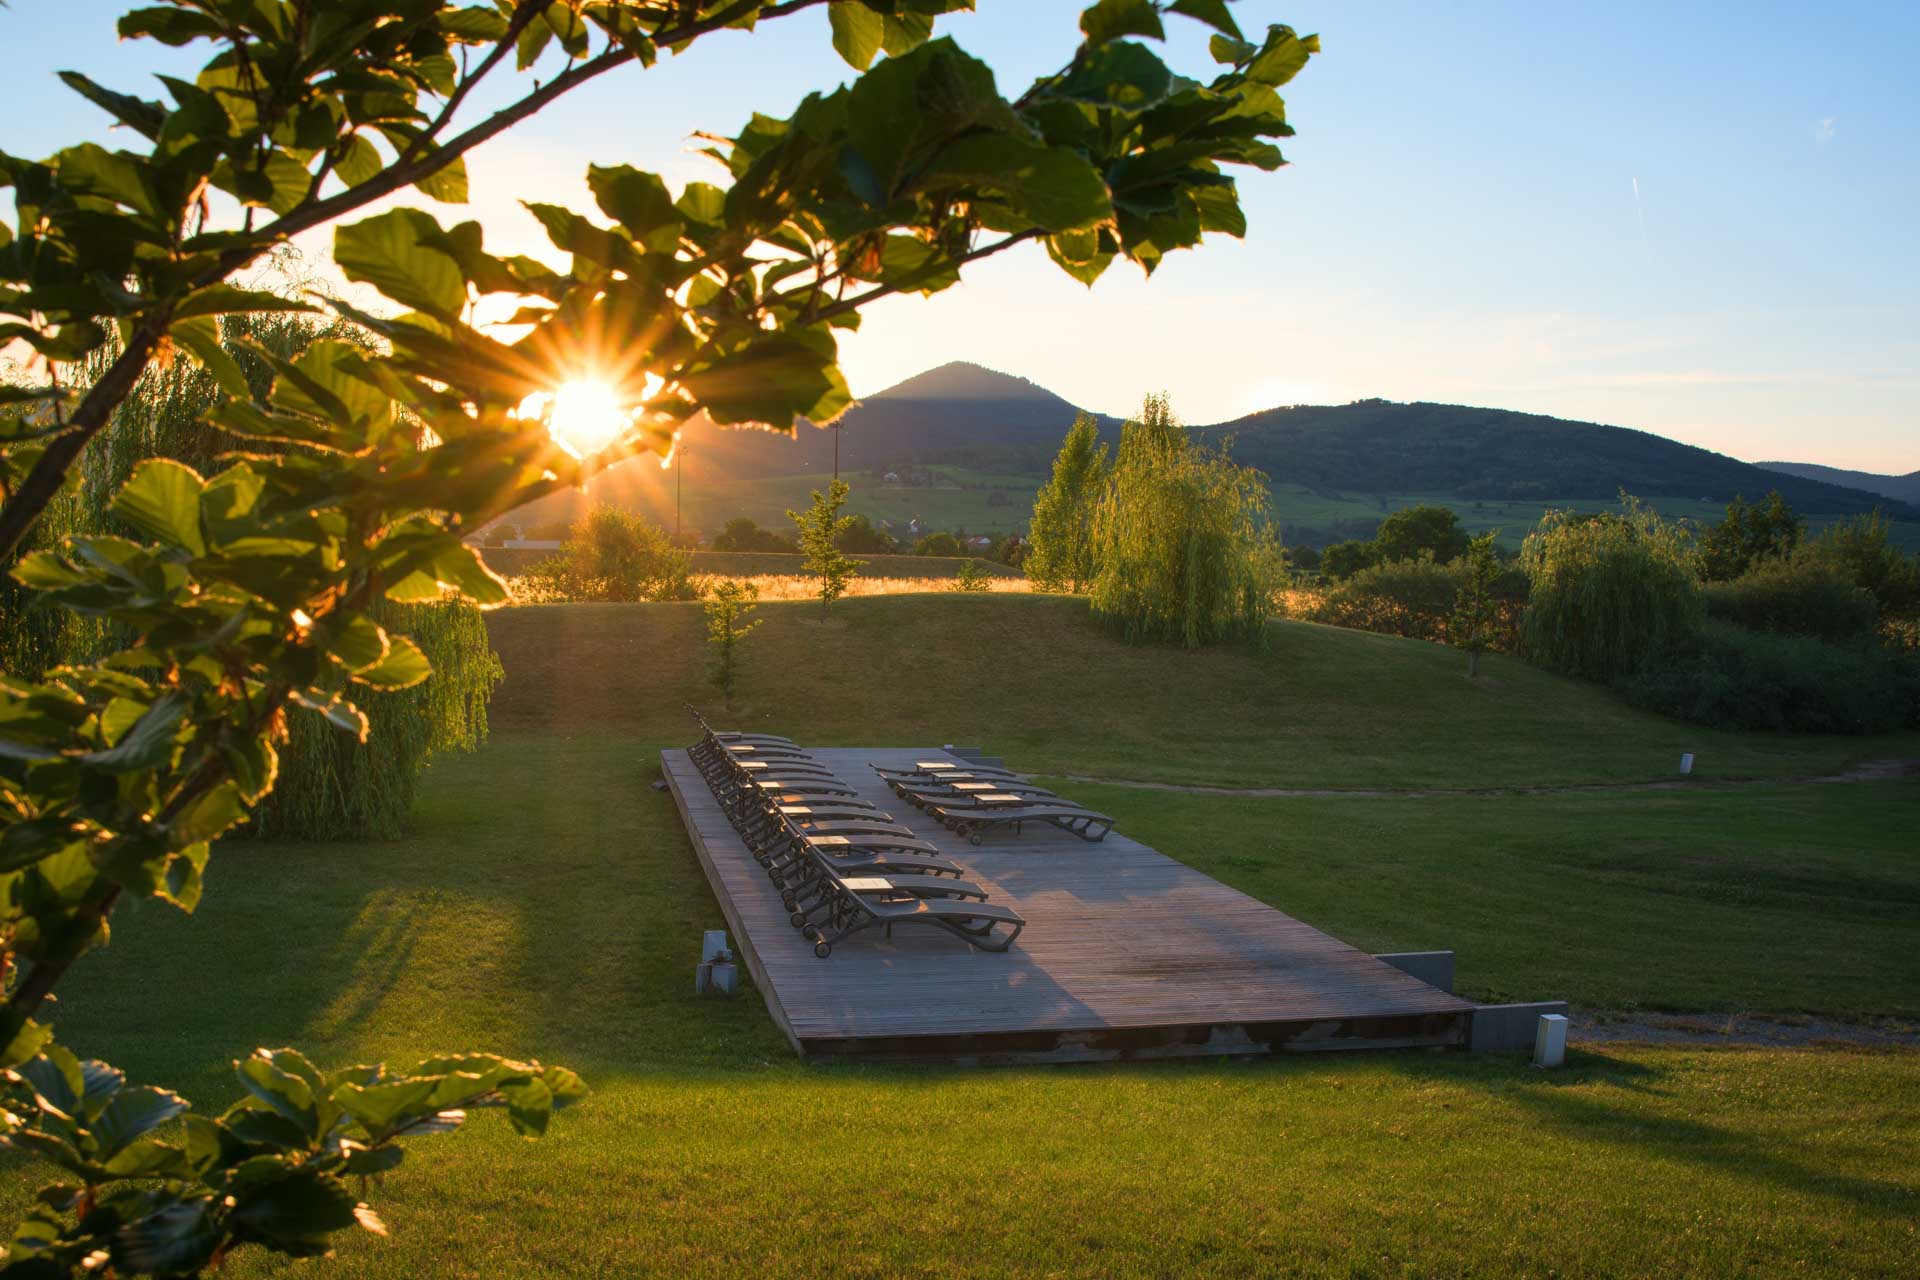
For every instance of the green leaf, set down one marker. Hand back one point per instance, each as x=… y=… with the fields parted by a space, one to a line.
x=27 y=1040
x=385 y=252
x=109 y=175
x=285 y=1092
x=403 y=667
x=169 y=26
x=461 y=568
x=638 y=201
x=1120 y=74
x=1111 y=19
x=200 y=338
x=476 y=24
x=771 y=382
x=359 y=161
x=340 y=713
x=131 y=1114
x=149 y=743
x=448 y=183
x=1230 y=50
x=292 y=1209
x=1281 y=57
x=211 y=814
x=142 y=116
x=1212 y=12
x=1054 y=188
x=378 y=1106
x=857 y=32
x=162 y=500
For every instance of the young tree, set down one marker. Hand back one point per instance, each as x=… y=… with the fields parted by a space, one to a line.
x=244 y=595
x=1475 y=610
x=821 y=525
x=1060 y=543
x=729 y=621
x=971 y=577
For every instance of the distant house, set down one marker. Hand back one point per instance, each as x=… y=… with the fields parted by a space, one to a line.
x=892 y=477
x=979 y=542
x=913 y=526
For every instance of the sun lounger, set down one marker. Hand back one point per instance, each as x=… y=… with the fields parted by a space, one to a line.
x=976 y=923
x=972 y=821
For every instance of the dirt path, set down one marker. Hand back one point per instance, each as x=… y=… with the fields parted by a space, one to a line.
x=1871 y=771
x=1768 y=1030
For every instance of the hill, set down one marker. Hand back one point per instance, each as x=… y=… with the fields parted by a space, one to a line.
x=963 y=415
x=1378 y=446
x=1904 y=488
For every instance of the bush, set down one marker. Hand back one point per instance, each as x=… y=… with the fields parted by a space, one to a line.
x=613 y=554
x=742 y=534
x=971 y=577
x=1608 y=592
x=1731 y=678
x=1415 y=531
x=860 y=538
x=938 y=544
x=1801 y=596
x=1342 y=560
x=1417 y=599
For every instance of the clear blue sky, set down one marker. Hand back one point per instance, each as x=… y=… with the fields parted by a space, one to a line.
x=1695 y=219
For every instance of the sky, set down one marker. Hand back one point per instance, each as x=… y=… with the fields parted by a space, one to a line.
x=1694 y=220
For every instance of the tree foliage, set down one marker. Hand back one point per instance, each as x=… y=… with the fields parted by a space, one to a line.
x=971 y=577
x=1060 y=542
x=1750 y=533
x=821 y=526
x=244 y=587
x=742 y=534
x=1181 y=550
x=1476 y=611
x=612 y=554
x=1609 y=592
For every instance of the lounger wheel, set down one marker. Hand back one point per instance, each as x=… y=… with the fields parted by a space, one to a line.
x=822 y=950
x=811 y=933
x=798 y=918
x=973 y=837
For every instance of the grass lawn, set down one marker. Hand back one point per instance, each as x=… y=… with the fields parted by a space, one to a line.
x=1034 y=679
x=548 y=904
x=1782 y=899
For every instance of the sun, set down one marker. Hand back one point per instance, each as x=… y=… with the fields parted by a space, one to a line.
x=586 y=417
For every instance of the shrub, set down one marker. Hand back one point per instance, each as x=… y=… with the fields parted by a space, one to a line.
x=1801 y=596
x=612 y=554
x=1859 y=550
x=861 y=538
x=937 y=544
x=820 y=525
x=1607 y=592
x=971 y=577
x=1752 y=533
x=1342 y=560
x=1412 y=598
x=1731 y=678
x=1181 y=550
x=742 y=534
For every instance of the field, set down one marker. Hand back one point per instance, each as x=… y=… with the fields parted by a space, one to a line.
x=964 y=499
x=510 y=561
x=547 y=903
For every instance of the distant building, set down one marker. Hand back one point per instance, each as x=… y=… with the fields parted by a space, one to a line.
x=892 y=477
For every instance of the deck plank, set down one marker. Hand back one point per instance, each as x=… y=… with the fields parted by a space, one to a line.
x=1126 y=952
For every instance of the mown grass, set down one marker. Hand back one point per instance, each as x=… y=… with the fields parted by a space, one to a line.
x=1784 y=899
x=1036 y=680
x=548 y=904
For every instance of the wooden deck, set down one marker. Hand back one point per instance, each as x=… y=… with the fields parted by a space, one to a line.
x=1126 y=954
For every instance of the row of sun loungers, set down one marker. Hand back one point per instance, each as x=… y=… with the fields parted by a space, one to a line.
x=839 y=863
x=972 y=799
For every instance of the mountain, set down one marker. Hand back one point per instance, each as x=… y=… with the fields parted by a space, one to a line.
x=1378 y=446
x=1904 y=488
x=965 y=415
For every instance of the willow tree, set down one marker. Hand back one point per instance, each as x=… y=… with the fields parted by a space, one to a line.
x=1060 y=541
x=1183 y=550
x=250 y=593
